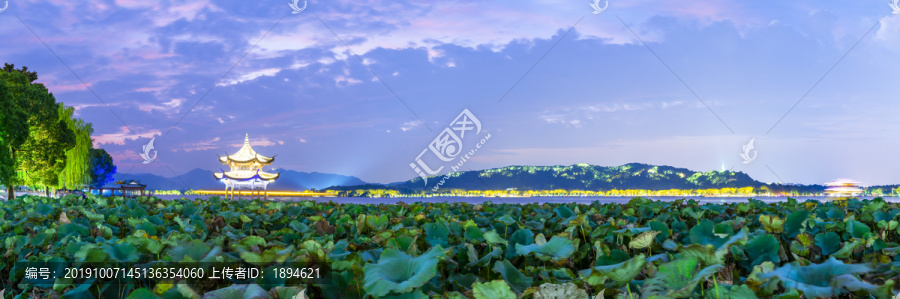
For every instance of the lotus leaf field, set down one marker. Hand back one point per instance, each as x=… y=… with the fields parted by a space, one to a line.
x=641 y=249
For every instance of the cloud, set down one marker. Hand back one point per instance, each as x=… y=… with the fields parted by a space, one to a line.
x=170 y=106
x=576 y=116
x=256 y=142
x=270 y=72
x=201 y=145
x=120 y=137
x=888 y=34
x=225 y=119
x=407 y=126
x=126 y=155
x=344 y=81
x=79 y=107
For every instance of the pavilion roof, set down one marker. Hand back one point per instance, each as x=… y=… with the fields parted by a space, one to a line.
x=244 y=175
x=246 y=154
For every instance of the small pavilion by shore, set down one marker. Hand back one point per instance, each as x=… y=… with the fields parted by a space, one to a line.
x=130 y=188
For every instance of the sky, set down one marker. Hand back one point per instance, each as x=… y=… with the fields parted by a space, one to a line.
x=363 y=87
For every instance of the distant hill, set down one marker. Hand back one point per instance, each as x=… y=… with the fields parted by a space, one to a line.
x=199 y=179
x=587 y=177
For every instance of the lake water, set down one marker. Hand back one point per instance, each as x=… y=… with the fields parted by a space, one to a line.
x=525 y=200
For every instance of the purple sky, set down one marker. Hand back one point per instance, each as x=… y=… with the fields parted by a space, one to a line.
x=600 y=96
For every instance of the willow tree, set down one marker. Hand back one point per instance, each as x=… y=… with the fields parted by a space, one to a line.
x=76 y=172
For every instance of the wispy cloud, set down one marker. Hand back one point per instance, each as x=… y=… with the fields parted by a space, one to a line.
x=270 y=72
x=577 y=116
x=258 y=142
x=171 y=106
x=201 y=145
x=407 y=126
x=123 y=135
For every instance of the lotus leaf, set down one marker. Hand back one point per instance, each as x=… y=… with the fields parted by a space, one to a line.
x=621 y=272
x=721 y=291
x=486 y=259
x=521 y=236
x=643 y=240
x=121 y=252
x=246 y=291
x=662 y=228
x=794 y=223
x=518 y=281
x=493 y=238
x=556 y=249
x=677 y=279
x=857 y=229
x=194 y=251
x=506 y=220
x=560 y=291
x=704 y=233
x=708 y=255
x=496 y=289
x=885 y=215
x=564 y=212
x=830 y=242
x=847 y=250
x=400 y=273
x=83 y=291
x=763 y=248
x=437 y=234
x=142 y=293
x=772 y=223
x=830 y=278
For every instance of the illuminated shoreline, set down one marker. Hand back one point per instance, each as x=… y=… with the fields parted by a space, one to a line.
x=270 y=193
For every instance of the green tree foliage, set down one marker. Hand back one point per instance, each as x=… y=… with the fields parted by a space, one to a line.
x=15 y=89
x=102 y=168
x=43 y=155
x=76 y=172
x=40 y=143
